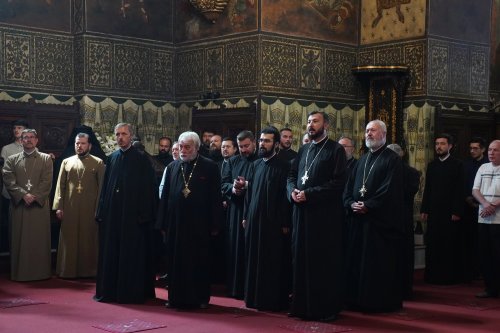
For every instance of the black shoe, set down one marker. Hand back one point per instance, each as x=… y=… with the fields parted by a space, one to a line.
x=328 y=319
x=204 y=306
x=487 y=294
x=169 y=305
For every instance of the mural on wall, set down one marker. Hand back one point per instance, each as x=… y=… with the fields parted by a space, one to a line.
x=495 y=53
x=238 y=16
x=45 y=14
x=331 y=20
x=466 y=22
x=387 y=20
x=148 y=19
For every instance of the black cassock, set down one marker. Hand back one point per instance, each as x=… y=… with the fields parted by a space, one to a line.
x=235 y=234
x=188 y=222
x=126 y=214
x=267 y=247
x=317 y=230
x=411 y=184
x=443 y=196
x=375 y=239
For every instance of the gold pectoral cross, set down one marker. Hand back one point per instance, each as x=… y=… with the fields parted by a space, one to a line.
x=363 y=190
x=186 y=191
x=304 y=178
x=29 y=185
x=79 y=188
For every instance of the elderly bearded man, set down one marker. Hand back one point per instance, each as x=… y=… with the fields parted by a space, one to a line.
x=374 y=199
x=190 y=212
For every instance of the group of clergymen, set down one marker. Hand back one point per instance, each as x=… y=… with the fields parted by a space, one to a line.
x=313 y=232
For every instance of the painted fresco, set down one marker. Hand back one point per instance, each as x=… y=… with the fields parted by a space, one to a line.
x=464 y=20
x=147 y=19
x=45 y=14
x=239 y=16
x=389 y=20
x=495 y=51
x=330 y=20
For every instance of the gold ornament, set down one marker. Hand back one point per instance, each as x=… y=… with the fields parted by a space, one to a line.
x=211 y=9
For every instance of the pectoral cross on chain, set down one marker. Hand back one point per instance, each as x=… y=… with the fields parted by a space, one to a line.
x=79 y=188
x=304 y=178
x=186 y=192
x=29 y=185
x=363 y=190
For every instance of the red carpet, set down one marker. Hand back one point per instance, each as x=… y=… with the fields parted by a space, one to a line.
x=67 y=306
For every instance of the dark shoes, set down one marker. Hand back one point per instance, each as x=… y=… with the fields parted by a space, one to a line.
x=487 y=294
x=328 y=319
x=202 y=306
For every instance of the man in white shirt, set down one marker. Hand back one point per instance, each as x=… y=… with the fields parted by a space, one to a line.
x=486 y=191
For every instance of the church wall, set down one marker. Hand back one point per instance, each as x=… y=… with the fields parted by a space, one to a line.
x=495 y=55
x=299 y=51
x=458 y=71
x=227 y=66
x=36 y=60
x=265 y=64
x=50 y=15
x=238 y=17
x=333 y=21
x=461 y=20
x=151 y=20
x=411 y=53
x=388 y=21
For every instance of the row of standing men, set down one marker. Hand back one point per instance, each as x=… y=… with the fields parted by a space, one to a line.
x=310 y=190
x=304 y=197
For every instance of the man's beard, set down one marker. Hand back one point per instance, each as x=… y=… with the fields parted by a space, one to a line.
x=286 y=145
x=442 y=153
x=317 y=135
x=264 y=153
x=374 y=143
x=83 y=153
x=214 y=152
x=188 y=158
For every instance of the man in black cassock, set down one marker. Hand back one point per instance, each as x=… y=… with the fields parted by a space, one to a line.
x=267 y=223
x=442 y=208
x=234 y=189
x=285 y=147
x=411 y=184
x=478 y=157
x=374 y=199
x=125 y=215
x=349 y=146
x=190 y=211
x=314 y=186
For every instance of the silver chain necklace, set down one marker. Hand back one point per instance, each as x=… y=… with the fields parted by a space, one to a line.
x=305 y=177
x=363 y=190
